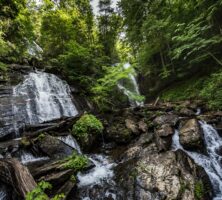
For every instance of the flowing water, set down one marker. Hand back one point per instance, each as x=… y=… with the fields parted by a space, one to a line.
x=27 y=158
x=212 y=163
x=99 y=182
x=39 y=98
x=130 y=87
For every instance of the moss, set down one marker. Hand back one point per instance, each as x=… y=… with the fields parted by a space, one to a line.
x=75 y=162
x=87 y=124
x=199 y=190
x=41 y=136
x=73 y=179
x=25 y=142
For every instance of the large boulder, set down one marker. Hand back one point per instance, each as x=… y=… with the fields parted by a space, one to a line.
x=161 y=176
x=191 y=135
x=171 y=119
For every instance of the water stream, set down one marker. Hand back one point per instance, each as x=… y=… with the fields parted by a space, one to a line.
x=212 y=163
x=98 y=183
x=130 y=87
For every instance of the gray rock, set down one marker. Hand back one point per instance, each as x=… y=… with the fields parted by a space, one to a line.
x=191 y=135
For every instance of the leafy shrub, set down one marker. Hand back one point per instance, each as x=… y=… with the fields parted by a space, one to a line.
x=75 y=162
x=39 y=192
x=87 y=124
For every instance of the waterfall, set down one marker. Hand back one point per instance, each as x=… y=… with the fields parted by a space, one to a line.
x=130 y=87
x=212 y=162
x=27 y=157
x=39 y=98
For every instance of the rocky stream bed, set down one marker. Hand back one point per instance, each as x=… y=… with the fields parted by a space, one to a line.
x=160 y=151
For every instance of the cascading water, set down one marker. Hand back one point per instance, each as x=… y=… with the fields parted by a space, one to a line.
x=98 y=183
x=130 y=87
x=211 y=163
x=27 y=157
x=39 y=98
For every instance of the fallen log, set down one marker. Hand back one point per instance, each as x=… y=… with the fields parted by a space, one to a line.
x=64 y=125
x=14 y=174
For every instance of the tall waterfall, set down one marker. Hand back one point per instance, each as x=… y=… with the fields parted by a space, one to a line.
x=39 y=98
x=212 y=162
x=130 y=87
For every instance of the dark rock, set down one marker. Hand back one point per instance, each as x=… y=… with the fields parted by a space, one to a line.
x=53 y=147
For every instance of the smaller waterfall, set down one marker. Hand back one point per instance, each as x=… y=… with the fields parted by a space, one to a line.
x=211 y=163
x=27 y=157
x=130 y=88
x=71 y=141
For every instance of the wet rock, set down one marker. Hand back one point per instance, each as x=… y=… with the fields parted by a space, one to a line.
x=191 y=135
x=53 y=147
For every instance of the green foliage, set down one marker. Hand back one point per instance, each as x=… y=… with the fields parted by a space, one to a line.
x=205 y=88
x=172 y=38
x=86 y=125
x=199 y=190
x=75 y=162
x=105 y=86
x=189 y=89
x=212 y=91
x=39 y=192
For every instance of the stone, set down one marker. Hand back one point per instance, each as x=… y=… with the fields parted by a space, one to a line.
x=160 y=176
x=191 y=135
x=53 y=147
x=166 y=119
x=165 y=130
x=132 y=126
x=143 y=126
x=187 y=112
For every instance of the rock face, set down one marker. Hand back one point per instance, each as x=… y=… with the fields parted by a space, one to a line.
x=147 y=174
x=190 y=135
